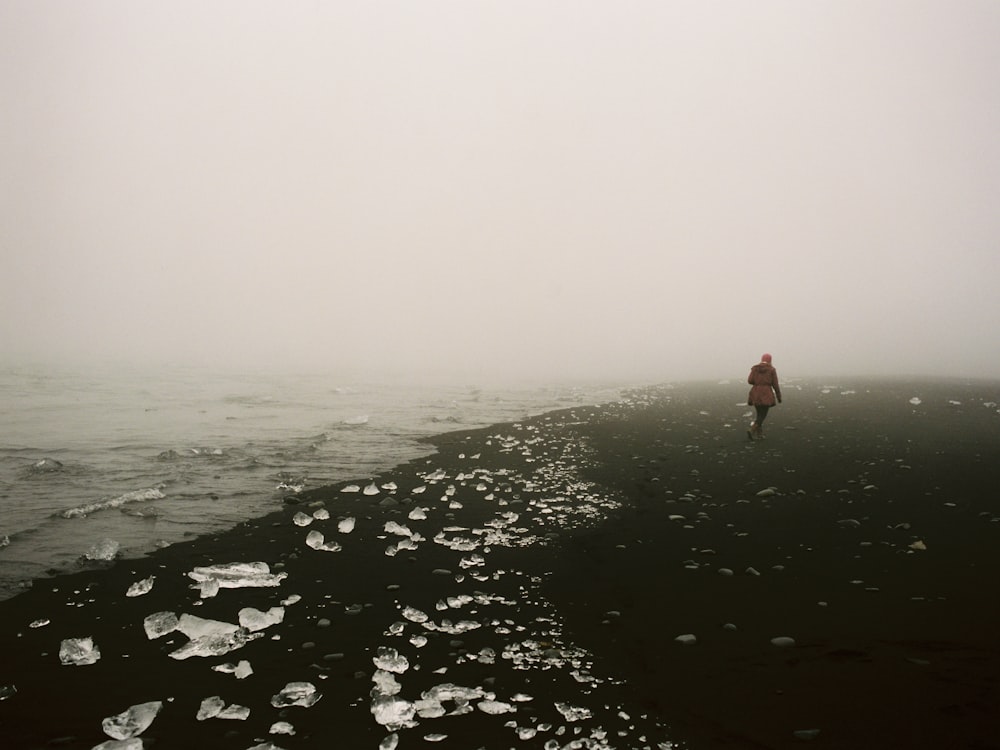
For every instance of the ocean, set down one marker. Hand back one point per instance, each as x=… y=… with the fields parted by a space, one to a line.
x=124 y=460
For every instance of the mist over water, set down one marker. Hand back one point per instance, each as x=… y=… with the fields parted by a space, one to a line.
x=638 y=191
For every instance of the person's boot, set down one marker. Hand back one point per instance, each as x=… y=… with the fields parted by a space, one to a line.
x=751 y=431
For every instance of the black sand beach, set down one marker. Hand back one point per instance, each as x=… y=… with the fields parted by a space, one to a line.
x=539 y=577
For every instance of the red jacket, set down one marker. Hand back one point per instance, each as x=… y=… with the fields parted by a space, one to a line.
x=764 y=380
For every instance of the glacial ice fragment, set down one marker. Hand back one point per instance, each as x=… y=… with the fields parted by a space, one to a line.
x=241 y=670
x=296 y=694
x=106 y=549
x=370 y=489
x=316 y=540
x=390 y=660
x=345 y=525
x=78 y=652
x=281 y=727
x=159 y=624
x=210 y=708
x=133 y=743
x=301 y=519
x=238 y=575
x=215 y=645
x=393 y=713
x=141 y=587
x=133 y=721
x=254 y=620
x=495 y=707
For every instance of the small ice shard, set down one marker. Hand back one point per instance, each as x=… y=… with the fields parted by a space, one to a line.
x=768 y=492
x=296 y=694
x=390 y=742
x=241 y=670
x=301 y=519
x=317 y=541
x=573 y=713
x=393 y=713
x=238 y=575
x=346 y=525
x=688 y=639
x=210 y=708
x=234 y=711
x=385 y=683
x=290 y=600
x=351 y=488
x=783 y=641
x=254 y=620
x=390 y=660
x=199 y=627
x=106 y=549
x=391 y=527
x=41 y=623
x=215 y=645
x=132 y=722
x=371 y=489
x=281 y=727
x=390 y=486
x=321 y=515
x=414 y=615
x=918 y=545
x=418 y=514
x=141 y=587
x=435 y=737
x=159 y=624
x=915 y=401
x=78 y=652
x=207 y=589
x=495 y=707
x=419 y=490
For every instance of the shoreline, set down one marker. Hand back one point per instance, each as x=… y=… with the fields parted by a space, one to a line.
x=579 y=599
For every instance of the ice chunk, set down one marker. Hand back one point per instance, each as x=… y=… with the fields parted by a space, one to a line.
x=281 y=727
x=390 y=660
x=393 y=713
x=106 y=549
x=345 y=525
x=241 y=670
x=321 y=515
x=78 y=652
x=296 y=694
x=207 y=589
x=418 y=514
x=132 y=722
x=215 y=645
x=385 y=683
x=915 y=401
x=238 y=575
x=495 y=707
x=210 y=708
x=316 y=540
x=301 y=519
x=390 y=742
x=141 y=587
x=159 y=624
x=254 y=620
x=40 y=623
x=573 y=713
x=234 y=711
x=351 y=488
x=371 y=489
x=199 y=627
x=391 y=527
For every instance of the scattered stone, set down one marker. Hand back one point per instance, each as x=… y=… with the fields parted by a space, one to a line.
x=783 y=641
x=688 y=639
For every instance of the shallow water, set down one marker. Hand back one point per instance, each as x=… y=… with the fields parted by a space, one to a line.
x=148 y=458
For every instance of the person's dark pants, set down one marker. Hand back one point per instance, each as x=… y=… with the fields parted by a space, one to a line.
x=761 y=415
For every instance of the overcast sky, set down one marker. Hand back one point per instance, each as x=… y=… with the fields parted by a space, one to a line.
x=651 y=189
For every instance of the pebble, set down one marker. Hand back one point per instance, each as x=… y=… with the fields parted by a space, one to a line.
x=725 y=572
x=323 y=623
x=688 y=639
x=783 y=641
x=769 y=492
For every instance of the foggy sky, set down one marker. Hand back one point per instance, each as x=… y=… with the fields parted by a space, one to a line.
x=642 y=189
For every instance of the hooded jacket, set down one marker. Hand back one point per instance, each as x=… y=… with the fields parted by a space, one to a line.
x=764 y=380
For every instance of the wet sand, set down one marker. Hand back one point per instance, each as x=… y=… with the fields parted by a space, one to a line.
x=559 y=560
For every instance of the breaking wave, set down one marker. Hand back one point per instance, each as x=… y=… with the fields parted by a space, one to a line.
x=138 y=496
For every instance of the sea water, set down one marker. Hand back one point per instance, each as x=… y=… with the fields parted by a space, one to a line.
x=131 y=459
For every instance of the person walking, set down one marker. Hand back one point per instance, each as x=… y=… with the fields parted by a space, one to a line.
x=764 y=394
